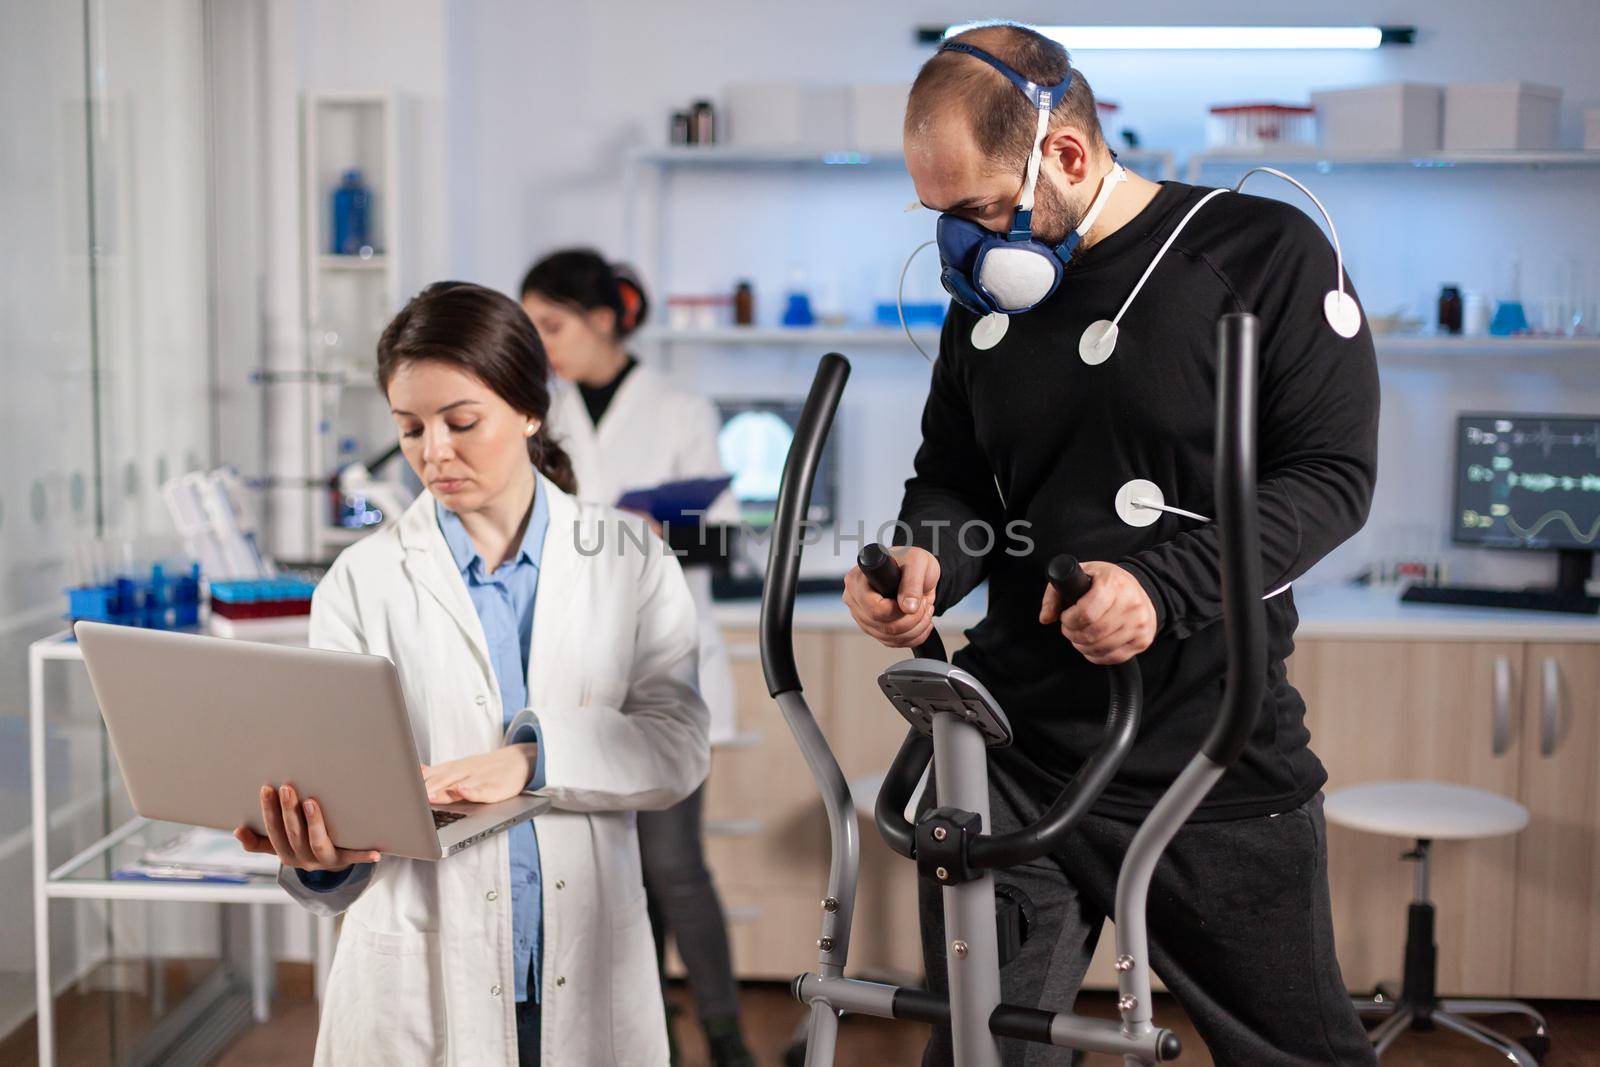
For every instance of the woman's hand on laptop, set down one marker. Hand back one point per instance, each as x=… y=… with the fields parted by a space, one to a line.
x=496 y=775
x=297 y=834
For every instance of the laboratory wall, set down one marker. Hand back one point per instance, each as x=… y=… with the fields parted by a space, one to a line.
x=106 y=356
x=546 y=100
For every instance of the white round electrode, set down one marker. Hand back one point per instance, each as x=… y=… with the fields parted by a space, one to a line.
x=1132 y=513
x=990 y=329
x=1342 y=313
x=1098 y=342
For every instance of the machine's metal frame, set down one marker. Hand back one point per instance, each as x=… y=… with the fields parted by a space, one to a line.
x=974 y=1009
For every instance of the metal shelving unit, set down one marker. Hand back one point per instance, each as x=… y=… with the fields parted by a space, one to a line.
x=648 y=172
x=225 y=1002
x=647 y=177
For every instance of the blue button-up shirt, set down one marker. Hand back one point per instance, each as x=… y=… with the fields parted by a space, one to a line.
x=504 y=602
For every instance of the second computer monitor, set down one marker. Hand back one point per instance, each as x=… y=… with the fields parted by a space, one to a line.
x=754 y=444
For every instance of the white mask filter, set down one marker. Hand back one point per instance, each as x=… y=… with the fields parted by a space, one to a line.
x=1016 y=278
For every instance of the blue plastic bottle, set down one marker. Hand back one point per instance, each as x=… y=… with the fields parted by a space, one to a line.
x=350 y=203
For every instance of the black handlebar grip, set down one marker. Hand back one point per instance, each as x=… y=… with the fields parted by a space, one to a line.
x=1070 y=580
x=882 y=572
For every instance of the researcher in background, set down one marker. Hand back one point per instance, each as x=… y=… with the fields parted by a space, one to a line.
x=627 y=427
x=530 y=661
x=1025 y=423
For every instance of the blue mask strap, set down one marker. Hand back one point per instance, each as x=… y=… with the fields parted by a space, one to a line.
x=1043 y=98
x=1038 y=95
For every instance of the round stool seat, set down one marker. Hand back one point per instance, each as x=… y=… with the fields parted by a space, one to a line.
x=1418 y=809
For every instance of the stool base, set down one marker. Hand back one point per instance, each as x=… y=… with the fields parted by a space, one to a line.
x=1452 y=1014
x=1418 y=1007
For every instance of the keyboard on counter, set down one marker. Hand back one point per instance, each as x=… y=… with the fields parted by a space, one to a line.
x=1472 y=596
x=725 y=586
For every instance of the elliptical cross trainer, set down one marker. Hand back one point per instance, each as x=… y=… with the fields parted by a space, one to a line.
x=953 y=719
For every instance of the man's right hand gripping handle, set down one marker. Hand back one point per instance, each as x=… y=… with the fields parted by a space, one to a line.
x=890 y=595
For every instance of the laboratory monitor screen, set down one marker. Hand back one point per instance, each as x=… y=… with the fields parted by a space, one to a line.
x=754 y=444
x=1528 y=481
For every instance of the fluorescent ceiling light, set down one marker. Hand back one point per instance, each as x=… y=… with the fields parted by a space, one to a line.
x=1209 y=38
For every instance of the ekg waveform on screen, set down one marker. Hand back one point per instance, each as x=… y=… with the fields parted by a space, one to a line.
x=1528 y=481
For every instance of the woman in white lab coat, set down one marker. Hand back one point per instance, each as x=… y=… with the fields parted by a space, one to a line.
x=424 y=971
x=627 y=427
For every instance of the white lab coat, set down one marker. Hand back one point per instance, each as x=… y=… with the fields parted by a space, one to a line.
x=653 y=432
x=423 y=971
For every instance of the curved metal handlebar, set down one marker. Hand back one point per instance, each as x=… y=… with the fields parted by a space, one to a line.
x=1049 y=832
x=1244 y=618
x=783 y=560
x=889 y=813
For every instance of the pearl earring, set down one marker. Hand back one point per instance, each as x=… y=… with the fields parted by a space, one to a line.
x=529 y=432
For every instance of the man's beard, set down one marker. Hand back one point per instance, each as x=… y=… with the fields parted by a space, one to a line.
x=1053 y=215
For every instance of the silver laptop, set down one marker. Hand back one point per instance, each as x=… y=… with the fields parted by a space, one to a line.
x=199 y=724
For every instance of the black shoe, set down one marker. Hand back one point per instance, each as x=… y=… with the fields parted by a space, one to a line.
x=727 y=1044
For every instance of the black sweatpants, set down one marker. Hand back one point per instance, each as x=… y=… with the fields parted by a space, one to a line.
x=1240 y=932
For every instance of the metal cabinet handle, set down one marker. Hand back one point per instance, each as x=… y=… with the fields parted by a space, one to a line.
x=1502 y=705
x=1550 y=707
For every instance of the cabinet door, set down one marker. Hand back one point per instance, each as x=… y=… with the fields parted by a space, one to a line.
x=1558 y=859
x=1437 y=710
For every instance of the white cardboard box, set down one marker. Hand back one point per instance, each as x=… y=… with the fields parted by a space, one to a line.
x=879 y=116
x=1500 y=116
x=1392 y=117
x=787 y=115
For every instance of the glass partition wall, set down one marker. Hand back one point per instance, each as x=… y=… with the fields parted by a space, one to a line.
x=107 y=389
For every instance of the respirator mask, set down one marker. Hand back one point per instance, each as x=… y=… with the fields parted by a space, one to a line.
x=987 y=272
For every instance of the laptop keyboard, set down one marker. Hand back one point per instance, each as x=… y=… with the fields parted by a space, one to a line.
x=441 y=819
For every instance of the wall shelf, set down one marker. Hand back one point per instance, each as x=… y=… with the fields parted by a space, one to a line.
x=376 y=262
x=1325 y=162
x=1423 y=351
x=1426 y=351
x=875 y=336
x=730 y=156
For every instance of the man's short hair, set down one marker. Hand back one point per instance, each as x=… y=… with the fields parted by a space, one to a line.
x=1002 y=120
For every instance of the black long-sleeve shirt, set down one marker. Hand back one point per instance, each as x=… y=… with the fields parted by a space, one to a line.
x=1033 y=443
